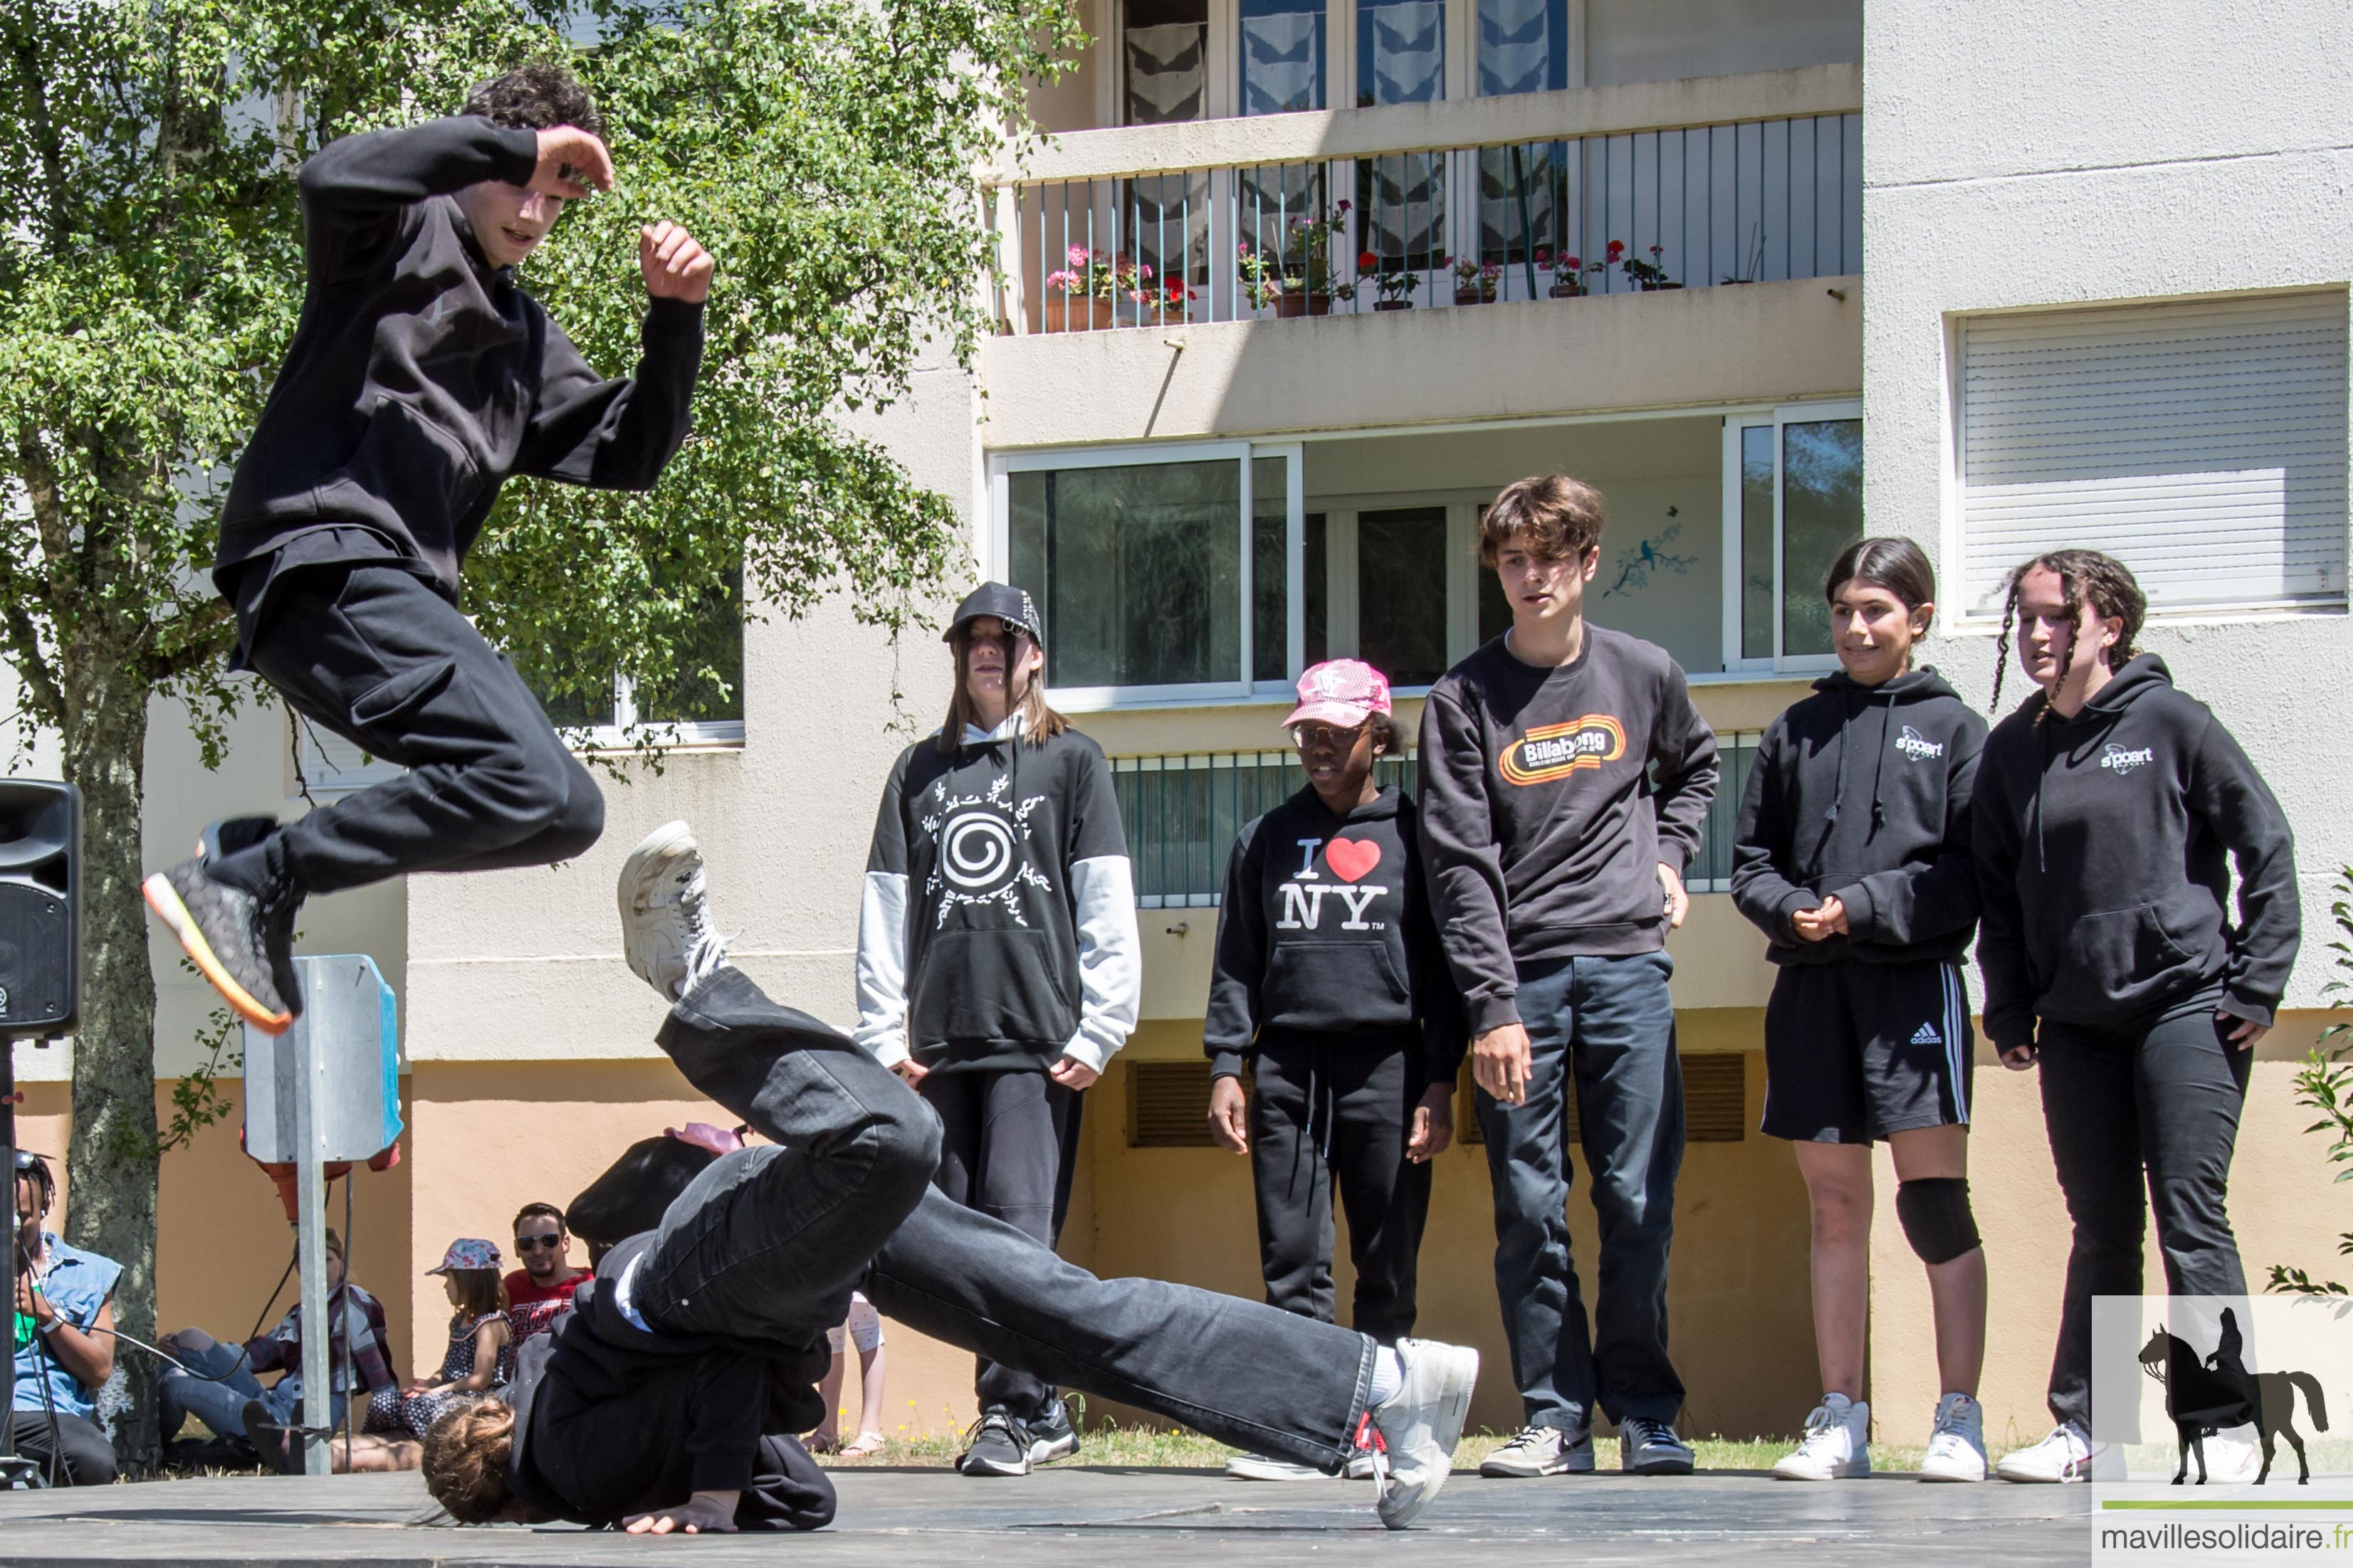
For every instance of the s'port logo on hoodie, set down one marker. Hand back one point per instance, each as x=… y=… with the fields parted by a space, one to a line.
x=1917 y=746
x=1553 y=752
x=2117 y=759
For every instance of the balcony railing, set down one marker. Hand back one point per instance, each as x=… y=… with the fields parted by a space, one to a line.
x=1561 y=218
x=1182 y=813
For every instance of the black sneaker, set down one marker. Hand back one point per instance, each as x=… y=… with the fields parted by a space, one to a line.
x=280 y=1446
x=997 y=1447
x=1647 y=1448
x=1051 y=1436
x=241 y=942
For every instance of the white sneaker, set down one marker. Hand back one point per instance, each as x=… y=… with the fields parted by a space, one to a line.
x=1836 y=1446
x=1266 y=1468
x=2230 y=1462
x=1420 y=1427
x=1957 y=1442
x=1542 y=1451
x=666 y=932
x=2067 y=1455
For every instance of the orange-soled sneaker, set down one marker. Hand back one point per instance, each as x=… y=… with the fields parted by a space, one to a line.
x=231 y=936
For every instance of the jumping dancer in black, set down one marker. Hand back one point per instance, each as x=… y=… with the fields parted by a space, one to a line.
x=421 y=377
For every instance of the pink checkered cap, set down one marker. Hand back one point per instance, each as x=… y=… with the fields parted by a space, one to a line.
x=468 y=1252
x=1340 y=691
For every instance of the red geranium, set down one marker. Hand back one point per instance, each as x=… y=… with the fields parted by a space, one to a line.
x=1367 y=262
x=1617 y=248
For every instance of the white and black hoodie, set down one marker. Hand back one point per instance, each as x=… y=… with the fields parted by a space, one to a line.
x=1864 y=791
x=998 y=924
x=1326 y=930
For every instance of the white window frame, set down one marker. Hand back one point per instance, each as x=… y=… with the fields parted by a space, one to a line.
x=676 y=732
x=1341 y=631
x=1777 y=417
x=998 y=554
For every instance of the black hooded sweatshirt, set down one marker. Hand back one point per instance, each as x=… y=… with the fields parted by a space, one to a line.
x=1326 y=930
x=2101 y=842
x=1864 y=791
x=420 y=377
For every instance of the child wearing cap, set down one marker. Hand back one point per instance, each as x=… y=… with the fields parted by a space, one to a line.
x=997 y=962
x=1329 y=980
x=480 y=1354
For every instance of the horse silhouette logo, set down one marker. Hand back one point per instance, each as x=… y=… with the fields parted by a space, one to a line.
x=2203 y=1397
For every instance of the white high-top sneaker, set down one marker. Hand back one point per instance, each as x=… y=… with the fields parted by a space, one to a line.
x=1957 y=1442
x=666 y=932
x=1836 y=1446
x=2067 y=1455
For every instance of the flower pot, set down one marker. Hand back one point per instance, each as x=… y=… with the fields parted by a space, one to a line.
x=1303 y=304
x=1392 y=304
x=1473 y=297
x=1077 y=313
x=1567 y=291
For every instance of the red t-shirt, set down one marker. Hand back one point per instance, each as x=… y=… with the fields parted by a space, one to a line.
x=522 y=1292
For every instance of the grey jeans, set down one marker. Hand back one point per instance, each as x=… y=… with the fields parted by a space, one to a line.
x=767 y=1244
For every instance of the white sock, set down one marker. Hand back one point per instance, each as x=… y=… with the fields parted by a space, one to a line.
x=1388 y=1375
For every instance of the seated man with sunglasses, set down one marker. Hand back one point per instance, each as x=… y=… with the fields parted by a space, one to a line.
x=542 y=1287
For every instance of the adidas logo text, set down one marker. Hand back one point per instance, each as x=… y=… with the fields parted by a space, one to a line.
x=1927 y=1035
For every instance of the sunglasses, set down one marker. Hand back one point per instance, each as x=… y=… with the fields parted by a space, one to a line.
x=1305 y=735
x=532 y=1243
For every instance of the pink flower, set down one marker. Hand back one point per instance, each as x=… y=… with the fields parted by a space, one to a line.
x=1574 y=263
x=1143 y=273
x=1079 y=257
x=1060 y=279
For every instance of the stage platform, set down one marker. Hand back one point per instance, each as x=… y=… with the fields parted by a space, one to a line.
x=1088 y=1516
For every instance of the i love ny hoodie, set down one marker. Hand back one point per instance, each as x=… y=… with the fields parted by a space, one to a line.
x=1326 y=930
x=2102 y=844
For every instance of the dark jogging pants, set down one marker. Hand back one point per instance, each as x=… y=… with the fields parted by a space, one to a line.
x=1006 y=1140
x=370 y=652
x=78 y=1456
x=1327 y=1108
x=2146 y=1113
x=768 y=1242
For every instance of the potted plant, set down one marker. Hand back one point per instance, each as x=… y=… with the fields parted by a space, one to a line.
x=1475 y=282
x=1084 y=295
x=1394 y=285
x=1644 y=276
x=1567 y=273
x=1300 y=281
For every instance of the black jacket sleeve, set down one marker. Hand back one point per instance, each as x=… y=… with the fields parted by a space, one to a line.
x=1238 y=965
x=615 y=434
x=1445 y=1037
x=354 y=191
x=728 y=1402
x=2239 y=808
x=1994 y=837
x=1917 y=902
x=1684 y=770
x=1761 y=843
x=1465 y=864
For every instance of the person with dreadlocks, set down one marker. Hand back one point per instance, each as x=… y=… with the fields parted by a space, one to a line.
x=2108 y=807
x=62 y=1337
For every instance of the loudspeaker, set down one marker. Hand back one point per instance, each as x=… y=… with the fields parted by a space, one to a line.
x=40 y=907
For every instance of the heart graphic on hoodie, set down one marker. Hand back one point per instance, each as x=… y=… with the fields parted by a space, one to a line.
x=1352 y=860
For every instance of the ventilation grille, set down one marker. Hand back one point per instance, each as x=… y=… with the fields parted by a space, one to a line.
x=1715 y=1101
x=1169 y=1105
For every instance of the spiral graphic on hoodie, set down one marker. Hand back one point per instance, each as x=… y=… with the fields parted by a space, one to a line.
x=976 y=849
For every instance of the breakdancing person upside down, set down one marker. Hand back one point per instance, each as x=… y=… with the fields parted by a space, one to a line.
x=663 y=1401
x=420 y=378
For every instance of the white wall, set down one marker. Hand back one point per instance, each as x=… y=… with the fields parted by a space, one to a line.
x=2023 y=154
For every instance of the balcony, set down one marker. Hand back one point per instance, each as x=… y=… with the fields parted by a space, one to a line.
x=1557 y=196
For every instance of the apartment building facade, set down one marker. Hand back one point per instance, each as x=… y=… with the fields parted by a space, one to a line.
x=1998 y=279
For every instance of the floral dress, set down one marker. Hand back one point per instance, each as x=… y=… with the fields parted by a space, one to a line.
x=389 y=1410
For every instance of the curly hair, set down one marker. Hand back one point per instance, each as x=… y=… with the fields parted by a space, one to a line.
x=2084 y=576
x=1558 y=517
x=466 y=1457
x=536 y=97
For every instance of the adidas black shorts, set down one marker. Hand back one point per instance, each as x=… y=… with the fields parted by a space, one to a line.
x=1856 y=1051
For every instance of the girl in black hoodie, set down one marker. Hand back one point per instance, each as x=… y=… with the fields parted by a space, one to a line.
x=2106 y=809
x=1852 y=854
x=1329 y=976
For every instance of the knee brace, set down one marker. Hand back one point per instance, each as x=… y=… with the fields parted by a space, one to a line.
x=1937 y=1218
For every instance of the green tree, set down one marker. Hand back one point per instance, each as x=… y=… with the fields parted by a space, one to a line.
x=149 y=277
x=2324 y=1083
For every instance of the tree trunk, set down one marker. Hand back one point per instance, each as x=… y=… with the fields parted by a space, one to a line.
x=112 y=1161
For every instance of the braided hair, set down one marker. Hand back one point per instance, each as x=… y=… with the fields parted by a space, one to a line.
x=466 y=1455
x=2106 y=582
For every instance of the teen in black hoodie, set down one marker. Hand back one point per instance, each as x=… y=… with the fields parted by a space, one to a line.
x=1329 y=976
x=1852 y=856
x=420 y=377
x=997 y=963
x=2107 y=807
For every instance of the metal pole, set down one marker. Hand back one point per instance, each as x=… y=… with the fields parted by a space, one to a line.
x=8 y=1154
x=311 y=1242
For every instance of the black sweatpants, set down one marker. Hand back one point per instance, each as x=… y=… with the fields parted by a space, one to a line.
x=1327 y=1108
x=88 y=1457
x=373 y=653
x=2144 y=1113
x=1005 y=1147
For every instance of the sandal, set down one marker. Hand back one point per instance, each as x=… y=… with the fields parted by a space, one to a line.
x=822 y=1444
x=869 y=1444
